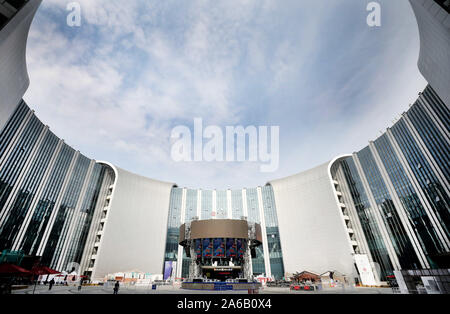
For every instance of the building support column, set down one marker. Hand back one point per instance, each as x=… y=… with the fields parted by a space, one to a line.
x=22 y=176
x=229 y=207
x=17 y=244
x=399 y=207
x=428 y=156
x=180 y=248
x=376 y=214
x=199 y=203
x=16 y=138
x=416 y=185
x=264 y=233
x=57 y=205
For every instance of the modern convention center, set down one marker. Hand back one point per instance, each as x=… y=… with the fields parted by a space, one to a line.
x=369 y=215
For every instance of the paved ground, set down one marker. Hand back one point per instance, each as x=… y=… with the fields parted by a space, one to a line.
x=173 y=290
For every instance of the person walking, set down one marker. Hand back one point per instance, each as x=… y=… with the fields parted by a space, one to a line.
x=50 y=284
x=80 y=285
x=116 y=287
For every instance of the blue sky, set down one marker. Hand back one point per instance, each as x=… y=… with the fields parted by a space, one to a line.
x=116 y=86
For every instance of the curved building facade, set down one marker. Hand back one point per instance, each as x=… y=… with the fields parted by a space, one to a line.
x=433 y=19
x=48 y=191
x=397 y=191
x=314 y=236
x=365 y=215
x=15 y=21
x=131 y=232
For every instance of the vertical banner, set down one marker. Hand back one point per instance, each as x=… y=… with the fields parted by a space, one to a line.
x=365 y=270
x=168 y=267
x=207 y=248
x=219 y=248
x=231 y=248
x=240 y=248
x=198 y=248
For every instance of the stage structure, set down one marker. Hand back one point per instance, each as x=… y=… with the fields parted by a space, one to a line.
x=220 y=249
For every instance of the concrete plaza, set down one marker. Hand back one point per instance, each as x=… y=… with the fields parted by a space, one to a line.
x=175 y=290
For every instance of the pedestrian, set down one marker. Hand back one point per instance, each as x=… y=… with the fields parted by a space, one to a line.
x=116 y=287
x=80 y=285
x=51 y=283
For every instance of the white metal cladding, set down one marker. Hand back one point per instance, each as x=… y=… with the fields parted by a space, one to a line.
x=14 y=79
x=134 y=236
x=264 y=233
x=311 y=229
x=434 y=31
x=179 y=265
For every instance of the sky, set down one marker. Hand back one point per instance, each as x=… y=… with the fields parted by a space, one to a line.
x=115 y=87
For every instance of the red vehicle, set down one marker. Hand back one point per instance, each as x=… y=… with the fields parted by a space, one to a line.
x=298 y=287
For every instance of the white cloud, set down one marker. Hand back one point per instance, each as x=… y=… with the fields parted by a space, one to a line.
x=115 y=87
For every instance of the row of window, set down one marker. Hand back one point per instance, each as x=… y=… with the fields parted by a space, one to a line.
x=222 y=203
x=406 y=173
x=48 y=192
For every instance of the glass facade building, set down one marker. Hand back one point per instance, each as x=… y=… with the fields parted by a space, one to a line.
x=48 y=192
x=390 y=201
x=365 y=214
x=52 y=198
x=273 y=233
x=387 y=210
x=187 y=204
x=399 y=187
